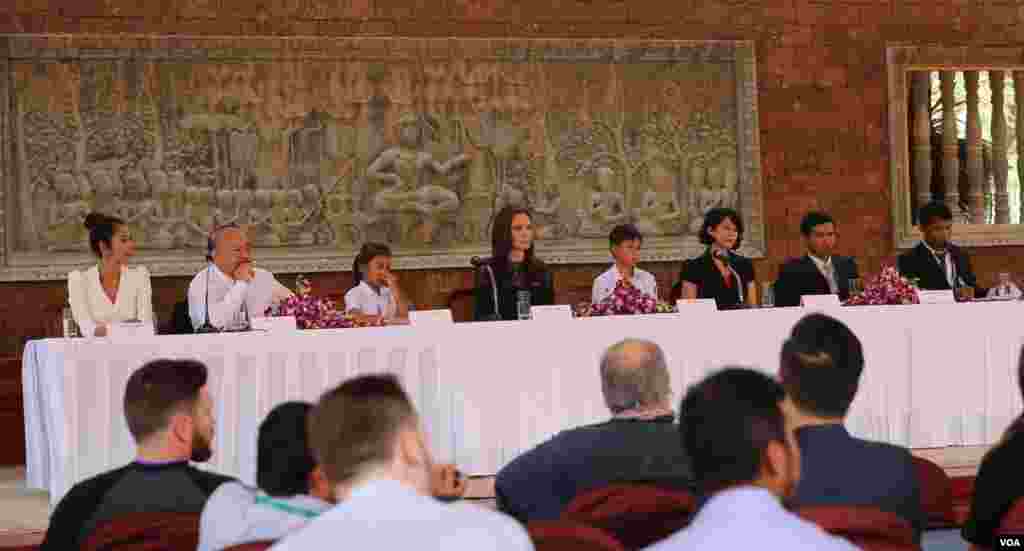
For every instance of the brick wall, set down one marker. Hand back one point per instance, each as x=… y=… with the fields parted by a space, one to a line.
x=821 y=80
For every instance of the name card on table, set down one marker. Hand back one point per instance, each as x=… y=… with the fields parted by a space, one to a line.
x=127 y=330
x=551 y=313
x=691 y=305
x=419 y=318
x=944 y=296
x=820 y=301
x=275 y=324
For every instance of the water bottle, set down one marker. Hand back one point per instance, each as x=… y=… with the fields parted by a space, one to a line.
x=523 y=304
x=70 y=328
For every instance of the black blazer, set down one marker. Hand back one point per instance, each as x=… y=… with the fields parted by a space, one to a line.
x=838 y=469
x=920 y=263
x=703 y=273
x=800 y=276
x=538 y=281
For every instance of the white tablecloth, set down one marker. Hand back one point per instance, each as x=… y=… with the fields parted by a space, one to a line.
x=935 y=375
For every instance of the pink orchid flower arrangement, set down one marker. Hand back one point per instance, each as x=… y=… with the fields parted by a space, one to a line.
x=889 y=287
x=624 y=300
x=312 y=312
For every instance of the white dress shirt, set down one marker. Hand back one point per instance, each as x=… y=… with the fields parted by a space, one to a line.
x=364 y=299
x=828 y=270
x=947 y=262
x=91 y=306
x=227 y=296
x=604 y=284
x=749 y=517
x=237 y=514
x=385 y=514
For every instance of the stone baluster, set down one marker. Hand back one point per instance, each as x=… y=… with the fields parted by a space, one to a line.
x=997 y=83
x=921 y=140
x=950 y=144
x=1018 y=95
x=975 y=170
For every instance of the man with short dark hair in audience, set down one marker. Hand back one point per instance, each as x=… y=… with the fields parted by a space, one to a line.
x=936 y=263
x=292 y=488
x=366 y=436
x=637 y=444
x=820 y=271
x=821 y=365
x=744 y=455
x=170 y=414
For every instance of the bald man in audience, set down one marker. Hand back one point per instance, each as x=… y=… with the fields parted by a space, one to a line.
x=231 y=290
x=821 y=365
x=638 y=444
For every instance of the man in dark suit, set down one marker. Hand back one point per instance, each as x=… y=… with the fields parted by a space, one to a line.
x=936 y=263
x=819 y=272
x=820 y=369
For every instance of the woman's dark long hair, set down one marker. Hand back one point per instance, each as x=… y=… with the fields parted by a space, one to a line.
x=101 y=230
x=367 y=252
x=501 y=241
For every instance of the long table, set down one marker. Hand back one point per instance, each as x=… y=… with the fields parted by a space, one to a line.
x=935 y=375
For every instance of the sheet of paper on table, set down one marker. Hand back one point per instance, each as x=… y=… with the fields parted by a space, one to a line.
x=696 y=305
x=430 y=318
x=547 y=313
x=942 y=296
x=820 y=301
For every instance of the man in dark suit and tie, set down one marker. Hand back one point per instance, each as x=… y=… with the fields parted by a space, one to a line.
x=819 y=272
x=936 y=263
x=820 y=368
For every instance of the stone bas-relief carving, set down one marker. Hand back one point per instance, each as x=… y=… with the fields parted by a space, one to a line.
x=416 y=143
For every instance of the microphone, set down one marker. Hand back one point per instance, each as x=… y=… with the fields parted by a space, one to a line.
x=485 y=264
x=206 y=327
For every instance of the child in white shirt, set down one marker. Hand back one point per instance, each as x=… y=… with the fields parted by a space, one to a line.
x=625 y=242
x=376 y=296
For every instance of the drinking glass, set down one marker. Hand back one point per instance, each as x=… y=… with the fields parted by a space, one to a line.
x=856 y=286
x=767 y=295
x=523 y=305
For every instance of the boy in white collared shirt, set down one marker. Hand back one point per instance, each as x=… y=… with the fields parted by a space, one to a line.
x=625 y=242
x=376 y=296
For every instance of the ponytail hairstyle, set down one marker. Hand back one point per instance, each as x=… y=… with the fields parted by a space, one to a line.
x=367 y=252
x=101 y=230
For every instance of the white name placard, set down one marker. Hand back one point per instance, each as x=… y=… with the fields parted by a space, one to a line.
x=944 y=296
x=127 y=330
x=419 y=318
x=685 y=305
x=557 y=312
x=275 y=324
x=820 y=301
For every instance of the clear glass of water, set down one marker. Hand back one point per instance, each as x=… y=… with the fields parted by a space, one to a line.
x=523 y=305
x=767 y=295
x=856 y=286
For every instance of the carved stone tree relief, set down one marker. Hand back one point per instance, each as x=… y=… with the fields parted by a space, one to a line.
x=320 y=145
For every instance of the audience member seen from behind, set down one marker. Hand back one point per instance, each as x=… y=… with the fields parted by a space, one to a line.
x=366 y=436
x=820 y=271
x=110 y=291
x=516 y=269
x=625 y=242
x=638 y=444
x=821 y=365
x=292 y=488
x=936 y=263
x=237 y=289
x=169 y=412
x=375 y=295
x=998 y=483
x=743 y=454
x=714 y=274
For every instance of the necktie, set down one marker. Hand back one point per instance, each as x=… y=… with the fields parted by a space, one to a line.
x=830 y=276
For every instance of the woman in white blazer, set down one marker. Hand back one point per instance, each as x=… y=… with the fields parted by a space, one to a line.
x=109 y=291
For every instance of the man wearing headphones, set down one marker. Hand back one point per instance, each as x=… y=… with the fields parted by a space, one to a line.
x=230 y=290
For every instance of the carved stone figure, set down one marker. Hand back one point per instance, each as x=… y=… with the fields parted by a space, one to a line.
x=606 y=207
x=658 y=214
x=410 y=169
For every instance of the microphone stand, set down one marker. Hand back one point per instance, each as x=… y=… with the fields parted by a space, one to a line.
x=724 y=257
x=486 y=265
x=206 y=327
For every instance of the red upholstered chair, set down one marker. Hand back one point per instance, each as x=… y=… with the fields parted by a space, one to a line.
x=869 y=528
x=936 y=493
x=146 y=532
x=252 y=546
x=564 y=535
x=636 y=514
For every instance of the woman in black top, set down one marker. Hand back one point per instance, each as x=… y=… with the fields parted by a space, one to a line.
x=515 y=269
x=998 y=483
x=714 y=274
